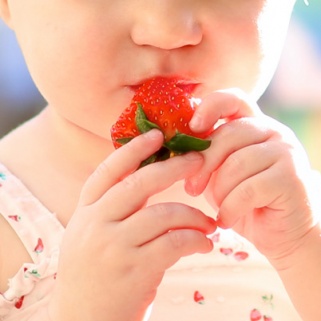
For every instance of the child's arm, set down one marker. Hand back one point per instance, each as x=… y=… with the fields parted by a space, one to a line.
x=115 y=251
x=301 y=275
x=258 y=176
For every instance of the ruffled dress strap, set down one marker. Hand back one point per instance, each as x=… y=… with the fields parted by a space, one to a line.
x=40 y=232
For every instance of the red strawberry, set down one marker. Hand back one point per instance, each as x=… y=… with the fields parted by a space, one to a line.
x=241 y=255
x=255 y=315
x=160 y=103
x=19 y=302
x=15 y=218
x=39 y=247
x=267 y=318
x=226 y=250
x=198 y=297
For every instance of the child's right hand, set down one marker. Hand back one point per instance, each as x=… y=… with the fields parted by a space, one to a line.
x=115 y=250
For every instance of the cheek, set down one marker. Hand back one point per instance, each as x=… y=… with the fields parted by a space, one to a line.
x=245 y=46
x=73 y=72
x=235 y=56
x=58 y=59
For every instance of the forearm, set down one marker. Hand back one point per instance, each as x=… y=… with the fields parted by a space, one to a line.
x=301 y=275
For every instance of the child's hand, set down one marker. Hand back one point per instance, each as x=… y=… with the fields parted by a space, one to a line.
x=256 y=174
x=115 y=250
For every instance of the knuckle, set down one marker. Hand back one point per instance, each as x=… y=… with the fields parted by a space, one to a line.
x=133 y=181
x=246 y=193
x=163 y=212
x=226 y=130
x=103 y=169
x=234 y=164
x=176 y=239
x=131 y=147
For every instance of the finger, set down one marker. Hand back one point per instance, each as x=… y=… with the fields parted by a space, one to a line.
x=130 y=194
x=170 y=247
x=230 y=103
x=257 y=192
x=227 y=139
x=119 y=164
x=243 y=164
x=156 y=220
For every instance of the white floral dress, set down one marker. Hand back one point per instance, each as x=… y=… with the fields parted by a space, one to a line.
x=232 y=283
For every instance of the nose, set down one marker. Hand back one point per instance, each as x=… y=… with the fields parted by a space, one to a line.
x=167 y=24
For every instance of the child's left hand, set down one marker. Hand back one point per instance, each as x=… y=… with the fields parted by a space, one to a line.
x=256 y=174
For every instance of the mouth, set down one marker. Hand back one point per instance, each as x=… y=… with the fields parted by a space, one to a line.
x=188 y=86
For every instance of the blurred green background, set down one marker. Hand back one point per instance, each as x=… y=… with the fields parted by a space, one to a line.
x=294 y=96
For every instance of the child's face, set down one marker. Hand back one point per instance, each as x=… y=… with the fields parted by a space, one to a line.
x=87 y=56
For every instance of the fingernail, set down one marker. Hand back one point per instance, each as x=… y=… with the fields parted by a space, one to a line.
x=196 y=122
x=220 y=223
x=153 y=134
x=191 y=186
x=193 y=156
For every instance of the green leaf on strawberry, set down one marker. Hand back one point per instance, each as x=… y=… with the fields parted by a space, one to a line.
x=143 y=124
x=182 y=143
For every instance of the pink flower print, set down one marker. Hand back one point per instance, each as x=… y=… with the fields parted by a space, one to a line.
x=39 y=247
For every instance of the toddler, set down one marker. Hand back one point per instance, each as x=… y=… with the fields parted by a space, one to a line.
x=86 y=235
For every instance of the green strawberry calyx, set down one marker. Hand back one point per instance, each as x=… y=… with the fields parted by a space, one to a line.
x=179 y=144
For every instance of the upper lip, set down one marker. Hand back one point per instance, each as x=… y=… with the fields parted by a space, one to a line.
x=188 y=85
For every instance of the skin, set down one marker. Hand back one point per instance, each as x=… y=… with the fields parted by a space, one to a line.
x=87 y=57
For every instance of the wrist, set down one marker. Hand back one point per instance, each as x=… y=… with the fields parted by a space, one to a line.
x=301 y=275
x=309 y=248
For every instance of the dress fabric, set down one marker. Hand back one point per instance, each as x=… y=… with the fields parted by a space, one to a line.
x=234 y=282
x=41 y=233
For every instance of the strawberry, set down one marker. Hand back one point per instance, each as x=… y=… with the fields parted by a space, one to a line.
x=241 y=255
x=19 y=302
x=39 y=247
x=198 y=297
x=226 y=250
x=255 y=315
x=15 y=218
x=160 y=103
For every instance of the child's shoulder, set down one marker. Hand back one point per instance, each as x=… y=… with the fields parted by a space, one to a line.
x=11 y=257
